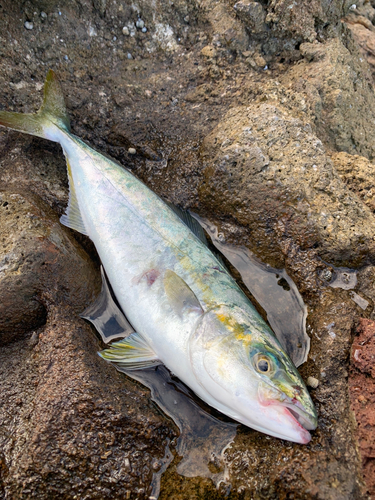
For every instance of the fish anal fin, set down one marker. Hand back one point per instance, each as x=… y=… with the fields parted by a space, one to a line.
x=132 y=353
x=181 y=297
x=73 y=217
x=106 y=316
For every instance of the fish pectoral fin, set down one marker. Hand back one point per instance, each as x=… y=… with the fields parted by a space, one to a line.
x=181 y=297
x=73 y=217
x=106 y=316
x=132 y=353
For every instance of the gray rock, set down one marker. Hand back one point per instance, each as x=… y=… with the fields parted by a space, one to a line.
x=337 y=86
x=252 y=14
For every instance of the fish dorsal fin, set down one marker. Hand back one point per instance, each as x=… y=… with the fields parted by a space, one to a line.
x=191 y=223
x=181 y=297
x=132 y=353
x=194 y=226
x=72 y=217
x=106 y=316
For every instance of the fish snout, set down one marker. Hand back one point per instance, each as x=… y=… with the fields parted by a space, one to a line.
x=304 y=415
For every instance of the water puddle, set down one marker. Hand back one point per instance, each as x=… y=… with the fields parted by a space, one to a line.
x=346 y=279
x=340 y=277
x=203 y=437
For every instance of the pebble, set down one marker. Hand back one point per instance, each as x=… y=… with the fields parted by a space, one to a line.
x=312 y=382
x=129 y=56
x=28 y=26
x=125 y=31
x=144 y=29
x=132 y=151
x=43 y=15
x=140 y=23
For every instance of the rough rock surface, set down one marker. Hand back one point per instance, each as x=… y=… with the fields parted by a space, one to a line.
x=254 y=116
x=260 y=156
x=358 y=173
x=362 y=396
x=338 y=87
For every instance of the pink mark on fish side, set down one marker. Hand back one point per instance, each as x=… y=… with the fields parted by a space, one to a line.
x=151 y=276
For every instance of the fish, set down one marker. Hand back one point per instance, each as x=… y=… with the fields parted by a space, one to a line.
x=186 y=311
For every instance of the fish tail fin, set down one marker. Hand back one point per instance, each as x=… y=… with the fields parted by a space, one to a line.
x=53 y=112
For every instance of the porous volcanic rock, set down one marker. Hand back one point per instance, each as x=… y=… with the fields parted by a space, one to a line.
x=358 y=173
x=337 y=85
x=259 y=158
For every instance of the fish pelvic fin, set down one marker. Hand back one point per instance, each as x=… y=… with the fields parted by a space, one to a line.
x=52 y=112
x=132 y=353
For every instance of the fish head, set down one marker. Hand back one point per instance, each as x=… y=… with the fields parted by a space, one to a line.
x=245 y=373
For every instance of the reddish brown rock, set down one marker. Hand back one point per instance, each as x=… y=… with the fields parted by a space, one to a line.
x=362 y=396
x=363 y=32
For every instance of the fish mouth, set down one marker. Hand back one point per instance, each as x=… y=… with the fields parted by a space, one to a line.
x=296 y=414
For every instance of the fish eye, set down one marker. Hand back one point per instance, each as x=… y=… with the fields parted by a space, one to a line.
x=262 y=364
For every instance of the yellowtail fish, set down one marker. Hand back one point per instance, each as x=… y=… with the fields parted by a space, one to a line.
x=187 y=311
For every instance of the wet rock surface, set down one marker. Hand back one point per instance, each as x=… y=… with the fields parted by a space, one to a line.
x=258 y=116
x=362 y=396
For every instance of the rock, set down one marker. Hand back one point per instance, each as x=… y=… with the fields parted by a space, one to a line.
x=366 y=281
x=363 y=32
x=358 y=173
x=259 y=158
x=62 y=409
x=208 y=51
x=252 y=14
x=100 y=6
x=362 y=396
x=228 y=31
x=303 y=21
x=36 y=252
x=338 y=87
